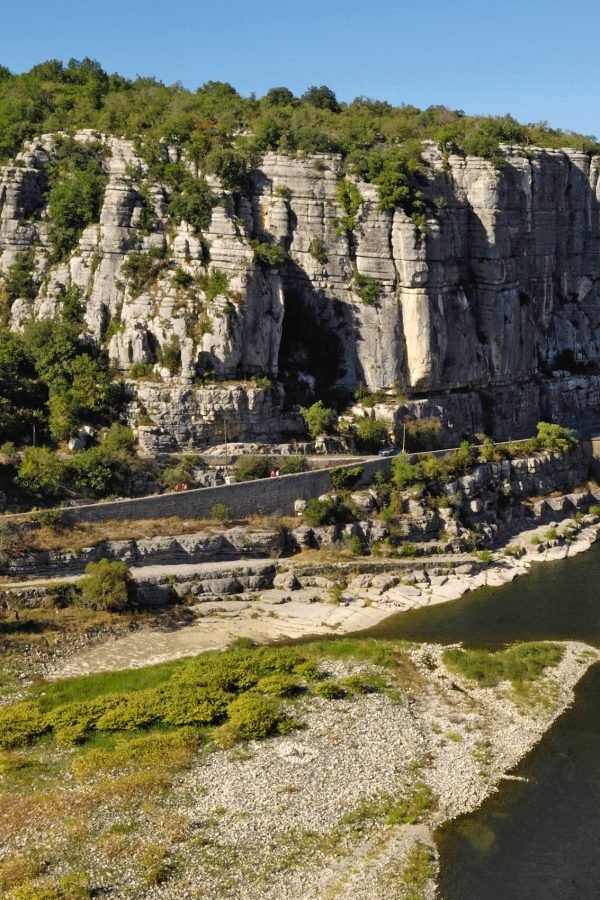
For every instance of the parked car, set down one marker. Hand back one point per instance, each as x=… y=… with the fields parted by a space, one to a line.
x=389 y=451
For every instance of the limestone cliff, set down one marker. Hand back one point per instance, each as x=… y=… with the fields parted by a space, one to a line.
x=467 y=317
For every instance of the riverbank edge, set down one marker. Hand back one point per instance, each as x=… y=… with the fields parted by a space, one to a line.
x=280 y=614
x=512 y=747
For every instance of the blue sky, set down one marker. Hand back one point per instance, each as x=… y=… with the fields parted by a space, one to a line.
x=537 y=59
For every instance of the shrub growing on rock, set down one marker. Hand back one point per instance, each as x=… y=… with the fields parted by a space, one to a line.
x=555 y=437
x=319 y=419
x=169 y=355
x=329 y=690
x=317 y=250
x=405 y=473
x=326 y=512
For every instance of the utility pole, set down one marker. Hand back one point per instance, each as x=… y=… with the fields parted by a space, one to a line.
x=34 y=434
x=403 y=436
x=225 y=430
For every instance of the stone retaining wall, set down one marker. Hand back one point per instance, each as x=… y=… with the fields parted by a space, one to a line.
x=264 y=497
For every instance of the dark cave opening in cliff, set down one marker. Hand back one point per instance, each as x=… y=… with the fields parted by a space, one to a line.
x=310 y=355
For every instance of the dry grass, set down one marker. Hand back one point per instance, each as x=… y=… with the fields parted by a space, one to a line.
x=87 y=534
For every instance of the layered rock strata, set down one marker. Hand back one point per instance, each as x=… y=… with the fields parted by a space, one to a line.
x=472 y=315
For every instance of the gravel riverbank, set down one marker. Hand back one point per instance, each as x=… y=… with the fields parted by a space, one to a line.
x=346 y=806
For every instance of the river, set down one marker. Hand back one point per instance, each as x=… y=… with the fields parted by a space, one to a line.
x=538 y=839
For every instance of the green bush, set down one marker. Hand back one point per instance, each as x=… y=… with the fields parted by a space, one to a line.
x=169 y=355
x=291 y=465
x=350 y=199
x=329 y=690
x=131 y=712
x=182 y=279
x=19 y=280
x=9 y=451
x=433 y=468
x=203 y=704
x=250 y=718
x=98 y=471
x=371 y=434
x=462 y=460
x=40 y=473
x=50 y=518
x=409 y=550
x=19 y=724
x=278 y=685
x=556 y=438
x=220 y=512
x=317 y=250
x=319 y=420
x=62 y=594
x=405 y=473
x=142 y=269
x=367 y=288
x=363 y=684
x=326 y=512
x=140 y=369
x=119 y=439
x=269 y=255
x=250 y=468
x=193 y=201
x=232 y=166
x=108 y=586
x=343 y=479
x=76 y=194
x=215 y=283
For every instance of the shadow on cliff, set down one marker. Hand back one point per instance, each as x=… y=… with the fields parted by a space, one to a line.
x=316 y=334
x=521 y=277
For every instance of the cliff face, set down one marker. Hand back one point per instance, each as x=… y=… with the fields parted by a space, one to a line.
x=468 y=318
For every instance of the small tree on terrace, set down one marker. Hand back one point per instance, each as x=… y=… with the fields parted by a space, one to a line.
x=319 y=419
x=108 y=586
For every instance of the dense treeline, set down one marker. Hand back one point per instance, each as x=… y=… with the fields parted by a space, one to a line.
x=53 y=378
x=207 y=122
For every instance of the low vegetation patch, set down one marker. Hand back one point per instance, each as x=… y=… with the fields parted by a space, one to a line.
x=519 y=664
x=237 y=690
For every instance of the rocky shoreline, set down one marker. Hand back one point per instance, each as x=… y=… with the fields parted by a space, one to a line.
x=300 y=605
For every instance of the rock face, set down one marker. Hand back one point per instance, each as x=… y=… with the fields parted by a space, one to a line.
x=472 y=316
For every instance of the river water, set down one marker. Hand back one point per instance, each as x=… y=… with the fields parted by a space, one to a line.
x=538 y=839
